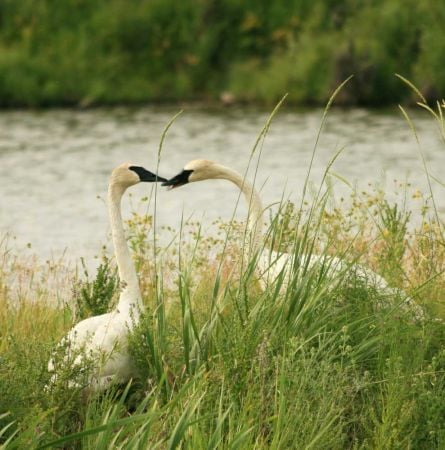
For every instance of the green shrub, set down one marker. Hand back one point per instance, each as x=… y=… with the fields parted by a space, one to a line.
x=96 y=297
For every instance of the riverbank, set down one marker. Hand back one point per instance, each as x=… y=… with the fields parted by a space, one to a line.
x=332 y=362
x=83 y=53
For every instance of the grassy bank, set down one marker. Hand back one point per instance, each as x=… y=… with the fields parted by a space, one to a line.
x=333 y=362
x=80 y=52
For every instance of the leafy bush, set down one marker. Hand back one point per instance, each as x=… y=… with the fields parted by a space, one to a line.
x=95 y=297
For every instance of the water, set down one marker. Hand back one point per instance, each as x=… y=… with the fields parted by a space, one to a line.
x=54 y=165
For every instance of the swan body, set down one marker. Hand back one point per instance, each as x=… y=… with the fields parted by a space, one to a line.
x=271 y=264
x=102 y=340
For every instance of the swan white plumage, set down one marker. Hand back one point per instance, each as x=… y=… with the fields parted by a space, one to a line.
x=271 y=264
x=102 y=340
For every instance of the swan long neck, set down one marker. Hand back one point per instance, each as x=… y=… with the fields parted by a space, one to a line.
x=130 y=297
x=255 y=215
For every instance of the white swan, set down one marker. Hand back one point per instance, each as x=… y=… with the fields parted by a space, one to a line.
x=102 y=340
x=271 y=264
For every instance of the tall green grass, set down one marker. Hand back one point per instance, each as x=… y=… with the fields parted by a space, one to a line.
x=330 y=363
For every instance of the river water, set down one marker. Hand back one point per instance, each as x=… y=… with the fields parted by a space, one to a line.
x=54 y=165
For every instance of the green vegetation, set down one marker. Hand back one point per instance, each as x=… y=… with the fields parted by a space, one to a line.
x=331 y=363
x=87 y=52
x=93 y=298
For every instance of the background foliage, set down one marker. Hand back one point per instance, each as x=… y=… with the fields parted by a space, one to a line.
x=105 y=52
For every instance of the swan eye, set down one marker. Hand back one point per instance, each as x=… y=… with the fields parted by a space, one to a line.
x=145 y=175
x=178 y=180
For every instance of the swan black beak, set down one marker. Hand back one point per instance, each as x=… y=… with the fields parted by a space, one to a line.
x=146 y=175
x=178 y=180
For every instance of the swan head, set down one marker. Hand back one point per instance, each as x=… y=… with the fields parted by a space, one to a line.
x=128 y=174
x=196 y=170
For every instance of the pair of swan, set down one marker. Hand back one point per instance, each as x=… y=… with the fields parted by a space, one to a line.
x=104 y=337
